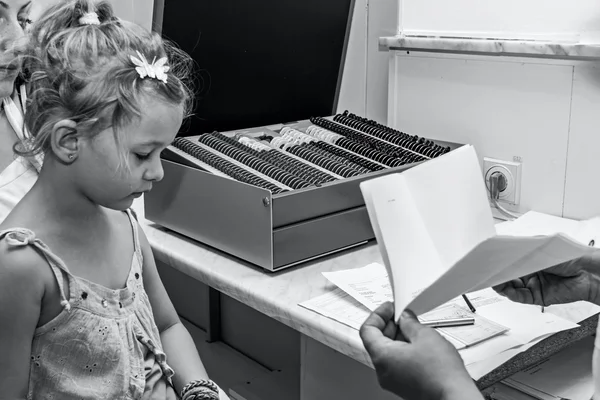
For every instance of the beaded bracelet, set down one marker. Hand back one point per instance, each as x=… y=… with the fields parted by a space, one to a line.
x=203 y=389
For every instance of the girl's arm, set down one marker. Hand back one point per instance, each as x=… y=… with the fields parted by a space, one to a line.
x=181 y=351
x=22 y=288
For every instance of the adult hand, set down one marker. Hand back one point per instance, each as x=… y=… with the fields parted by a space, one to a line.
x=414 y=361
x=563 y=283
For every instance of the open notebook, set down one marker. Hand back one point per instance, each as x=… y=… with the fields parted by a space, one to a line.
x=435 y=231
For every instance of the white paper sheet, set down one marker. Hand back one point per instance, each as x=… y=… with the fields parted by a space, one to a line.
x=574 y=312
x=526 y=324
x=478 y=365
x=339 y=306
x=436 y=233
x=368 y=285
x=468 y=335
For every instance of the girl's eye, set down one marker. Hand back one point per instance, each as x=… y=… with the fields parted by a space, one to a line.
x=142 y=156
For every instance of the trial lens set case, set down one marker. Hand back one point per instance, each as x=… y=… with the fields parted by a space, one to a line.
x=281 y=195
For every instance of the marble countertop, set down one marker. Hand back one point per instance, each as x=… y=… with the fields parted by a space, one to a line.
x=274 y=294
x=492 y=47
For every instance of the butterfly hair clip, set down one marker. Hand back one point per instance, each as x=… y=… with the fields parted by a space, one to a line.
x=90 y=18
x=156 y=70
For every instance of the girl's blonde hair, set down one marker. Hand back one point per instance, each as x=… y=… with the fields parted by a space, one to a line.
x=84 y=72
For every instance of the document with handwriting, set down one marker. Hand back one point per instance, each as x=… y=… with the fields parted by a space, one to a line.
x=436 y=234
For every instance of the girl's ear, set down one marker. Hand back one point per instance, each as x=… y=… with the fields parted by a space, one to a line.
x=65 y=141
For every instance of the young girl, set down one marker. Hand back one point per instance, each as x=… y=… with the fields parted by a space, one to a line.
x=83 y=312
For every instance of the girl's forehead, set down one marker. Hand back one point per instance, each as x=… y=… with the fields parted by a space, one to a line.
x=158 y=124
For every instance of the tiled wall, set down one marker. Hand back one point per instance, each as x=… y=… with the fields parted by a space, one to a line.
x=545 y=112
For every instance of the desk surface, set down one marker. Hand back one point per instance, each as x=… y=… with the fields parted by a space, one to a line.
x=274 y=294
x=278 y=294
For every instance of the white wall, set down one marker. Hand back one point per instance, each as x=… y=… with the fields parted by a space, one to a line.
x=365 y=78
x=545 y=112
x=582 y=183
x=505 y=18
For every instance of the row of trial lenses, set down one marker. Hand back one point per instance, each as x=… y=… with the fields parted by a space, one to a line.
x=369 y=153
x=314 y=146
x=329 y=138
x=300 y=140
x=254 y=144
x=428 y=142
x=295 y=136
x=286 y=162
x=224 y=166
x=258 y=150
x=264 y=152
x=237 y=154
x=404 y=155
x=303 y=169
x=310 y=141
x=368 y=165
x=283 y=143
x=415 y=143
x=253 y=162
x=231 y=169
x=288 y=145
x=219 y=148
x=323 y=162
x=359 y=137
x=323 y=134
x=409 y=143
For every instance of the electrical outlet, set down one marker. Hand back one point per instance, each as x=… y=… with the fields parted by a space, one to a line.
x=512 y=171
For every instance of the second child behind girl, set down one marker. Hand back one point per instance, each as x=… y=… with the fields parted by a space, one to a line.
x=83 y=312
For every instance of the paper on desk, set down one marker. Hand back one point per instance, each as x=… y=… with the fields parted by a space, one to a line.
x=369 y=285
x=565 y=375
x=436 y=234
x=574 y=312
x=482 y=363
x=468 y=335
x=526 y=324
x=535 y=223
x=339 y=306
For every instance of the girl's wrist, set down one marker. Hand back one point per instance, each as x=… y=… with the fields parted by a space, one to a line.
x=203 y=389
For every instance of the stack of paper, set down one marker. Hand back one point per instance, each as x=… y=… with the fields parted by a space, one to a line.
x=436 y=234
x=509 y=328
x=500 y=324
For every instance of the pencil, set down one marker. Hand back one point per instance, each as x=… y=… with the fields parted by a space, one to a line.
x=469 y=303
x=448 y=323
